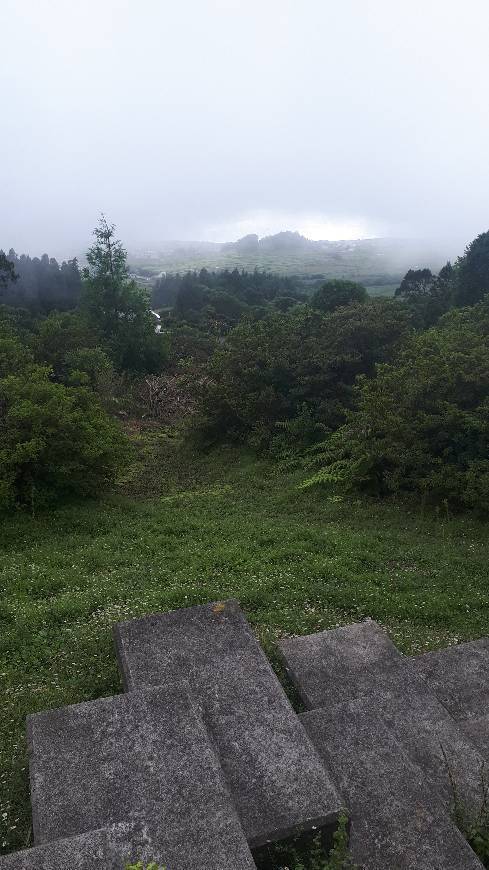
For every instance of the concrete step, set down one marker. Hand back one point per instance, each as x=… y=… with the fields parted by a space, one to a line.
x=278 y=783
x=359 y=661
x=431 y=738
x=146 y=840
x=395 y=822
x=458 y=676
x=477 y=729
x=341 y=664
x=143 y=757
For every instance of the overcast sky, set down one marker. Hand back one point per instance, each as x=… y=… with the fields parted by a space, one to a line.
x=206 y=119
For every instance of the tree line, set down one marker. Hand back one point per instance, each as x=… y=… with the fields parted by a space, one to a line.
x=221 y=299
x=39 y=283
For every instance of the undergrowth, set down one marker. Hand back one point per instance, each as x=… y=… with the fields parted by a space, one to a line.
x=473 y=823
x=307 y=854
x=141 y=866
x=301 y=854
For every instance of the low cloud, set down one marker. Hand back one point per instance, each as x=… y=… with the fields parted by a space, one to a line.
x=213 y=118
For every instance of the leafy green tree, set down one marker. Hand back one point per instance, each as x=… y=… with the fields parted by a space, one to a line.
x=224 y=307
x=443 y=287
x=21 y=321
x=189 y=293
x=429 y=296
x=7 y=271
x=14 y=356
x=299 y=364
x=336 y=293
x=88 y=366
x=117 y=309
x=472 y=279
x=189 y=345
x=422 y=425
x=416 y=283
x=283 y=303
x=58 y=335
x=55 y=441
x=190 y=298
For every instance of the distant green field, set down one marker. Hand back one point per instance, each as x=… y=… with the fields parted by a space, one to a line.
x=357 y=266
x=376 y=262
x=186 y=529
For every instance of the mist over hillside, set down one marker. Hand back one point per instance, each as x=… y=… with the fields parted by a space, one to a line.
x=376 y=261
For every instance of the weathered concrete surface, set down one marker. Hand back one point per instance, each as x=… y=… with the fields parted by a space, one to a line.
x=277 y=780
x=477 y=729
x=145 y=755
x=395 y=822
x=348 y=662
x=204 y=757
x=360 y=661
x=458 y=676
x=432 y=740
x=144 y=840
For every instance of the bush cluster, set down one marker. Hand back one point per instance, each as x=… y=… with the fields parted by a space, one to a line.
x=388 y=396
x=422 y=424
x=55 y=439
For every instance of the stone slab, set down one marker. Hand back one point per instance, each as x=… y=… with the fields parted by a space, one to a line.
x=141 y=755
x=278 y=783
x=431 y=738
x=395 y=823
x=348 y=662
x=459 y=676
x=477 y=729
x=360 y=661
x=144 y=840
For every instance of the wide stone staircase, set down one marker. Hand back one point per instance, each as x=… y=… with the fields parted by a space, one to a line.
x=203 y=761
x=397 y=735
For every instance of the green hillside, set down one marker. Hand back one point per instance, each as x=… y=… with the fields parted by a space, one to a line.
x=372 y=261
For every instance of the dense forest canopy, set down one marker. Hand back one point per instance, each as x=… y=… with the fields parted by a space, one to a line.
x=388 y=395
x=226 y=293
x=39 y=283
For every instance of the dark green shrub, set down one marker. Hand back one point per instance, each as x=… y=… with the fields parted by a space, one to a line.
x=336 y=293
x=422 y=424
x=54 y=440
x=299 y=363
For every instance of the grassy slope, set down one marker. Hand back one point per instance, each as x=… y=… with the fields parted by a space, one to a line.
x=194 y=529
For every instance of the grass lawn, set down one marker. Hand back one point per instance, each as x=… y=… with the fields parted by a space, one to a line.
x=187 y=529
